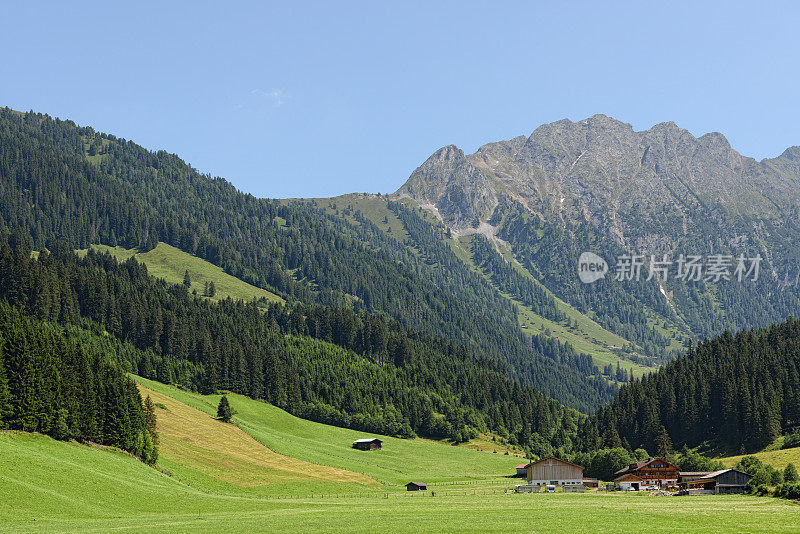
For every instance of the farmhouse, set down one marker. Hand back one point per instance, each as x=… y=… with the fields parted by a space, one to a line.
x=652 y=472
x=416 y=486
x=367 y=444
x=724 y=481
x=555 y=472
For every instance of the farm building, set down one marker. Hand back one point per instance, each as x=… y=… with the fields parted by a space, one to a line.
x=555 y=472
x=367 y=444
x=652 y=472
x=416 y=486
x=522 y=470
x=724 y=481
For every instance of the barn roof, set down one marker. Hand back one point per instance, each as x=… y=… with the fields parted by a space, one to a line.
x=522 y=466
x=420 y=484
x=558 y=460
x=715 y=474
x=367 y=440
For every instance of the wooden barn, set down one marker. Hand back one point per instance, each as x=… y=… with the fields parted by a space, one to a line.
x=555 y=472
x=724 y=481
x=416 y=486
x=653 y=472
x=368 y=444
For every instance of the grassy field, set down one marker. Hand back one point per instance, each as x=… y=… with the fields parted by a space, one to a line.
x=400 y=461
x=54 y=486
x=776 y=458
x=215 y=477
x=170 y=263
x=203 y=451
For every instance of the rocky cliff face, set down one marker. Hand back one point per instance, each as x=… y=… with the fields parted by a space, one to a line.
x=600 y=170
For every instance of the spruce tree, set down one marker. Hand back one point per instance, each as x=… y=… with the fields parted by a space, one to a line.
x=5 y=395
x=224 y=411
x=187 y=280
x=663 y=443
x=790 y=473
x=212 y=290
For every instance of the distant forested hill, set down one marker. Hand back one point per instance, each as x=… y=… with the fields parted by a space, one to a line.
x=59 y=181
x=734 y=392
x=333 y=365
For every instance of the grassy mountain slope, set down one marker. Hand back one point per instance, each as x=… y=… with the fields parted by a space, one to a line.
x=170 y=264
x=196 y=447
x=586 y=336
x=777 y=458
x=400 y=461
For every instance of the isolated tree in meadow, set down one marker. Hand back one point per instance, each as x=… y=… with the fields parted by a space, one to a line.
x=790 y=474
x=212 y=289
x=224 y=411
x=150 y=453
x=187 y=280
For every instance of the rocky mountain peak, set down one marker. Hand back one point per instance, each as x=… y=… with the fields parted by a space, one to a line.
x=598 y=168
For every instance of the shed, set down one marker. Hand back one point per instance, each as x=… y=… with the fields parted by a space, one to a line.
x=416 y=486
x=724 y=481
x=367 y=444
x=522 y=470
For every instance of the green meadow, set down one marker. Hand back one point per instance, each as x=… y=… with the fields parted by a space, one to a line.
x=170 y=264
x=50 y=486
x=270 y=471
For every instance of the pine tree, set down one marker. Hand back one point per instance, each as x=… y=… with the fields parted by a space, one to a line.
x=224 y=411
x=790 y=473
x=187 y=280
x=150 y=453
x=212 y=289
x=663 y=443
x=5 y=394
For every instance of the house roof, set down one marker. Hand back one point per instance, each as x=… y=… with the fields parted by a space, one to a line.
x=558 y=460
x=639 y=465
x=522 y=466
x=628 y=477
x=694 y=473
x=632 y=467
x=367 y=440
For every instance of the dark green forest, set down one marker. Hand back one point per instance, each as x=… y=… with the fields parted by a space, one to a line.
x=59 y=381
x=736 y=393
x=57 y=187
x=337 y=366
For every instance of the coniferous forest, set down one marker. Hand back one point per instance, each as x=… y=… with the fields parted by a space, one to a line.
x=736 y=392
x=59 y=381
x=337 y=366
x=123 y=194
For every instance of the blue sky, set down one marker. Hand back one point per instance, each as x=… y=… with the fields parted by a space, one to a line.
x=319 y=99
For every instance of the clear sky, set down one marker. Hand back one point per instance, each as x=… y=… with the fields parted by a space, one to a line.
x=320 y=99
